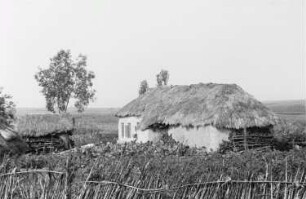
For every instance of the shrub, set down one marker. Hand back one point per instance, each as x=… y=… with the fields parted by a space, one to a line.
x=289 y=134
x=7 y=109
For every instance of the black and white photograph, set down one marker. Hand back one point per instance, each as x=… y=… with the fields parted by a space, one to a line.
x=142 y=99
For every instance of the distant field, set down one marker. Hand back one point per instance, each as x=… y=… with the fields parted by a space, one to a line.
x=293 y=110
x=289 y=107
x=102 y=111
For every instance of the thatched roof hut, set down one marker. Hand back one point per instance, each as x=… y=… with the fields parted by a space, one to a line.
x=46 y=132
x=224 y=106
x=220 y=105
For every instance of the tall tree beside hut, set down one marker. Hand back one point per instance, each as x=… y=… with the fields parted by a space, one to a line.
x=66 y=79
x=162 y=78
x=144 y=86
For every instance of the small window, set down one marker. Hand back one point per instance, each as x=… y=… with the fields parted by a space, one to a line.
x=128 y=130
x=122 y=129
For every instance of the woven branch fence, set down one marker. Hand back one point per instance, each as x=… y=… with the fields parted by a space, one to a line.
x=55 y=184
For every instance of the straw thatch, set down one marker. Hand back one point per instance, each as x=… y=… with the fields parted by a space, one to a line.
x=220 y=105
x=46 y=133
x=43 y=125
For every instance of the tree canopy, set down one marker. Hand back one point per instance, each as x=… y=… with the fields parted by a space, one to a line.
x=66 y=79
x=144 y=86
x=162 y=78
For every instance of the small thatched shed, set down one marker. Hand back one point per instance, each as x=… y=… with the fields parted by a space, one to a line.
x=198 y=115
x=46 y=133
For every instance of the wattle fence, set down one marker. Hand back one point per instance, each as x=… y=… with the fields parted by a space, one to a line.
x=55 y=184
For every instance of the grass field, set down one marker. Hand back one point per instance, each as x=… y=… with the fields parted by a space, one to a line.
x=292 y=110
x=287 y=106
x=95 y=128
x=94 y=111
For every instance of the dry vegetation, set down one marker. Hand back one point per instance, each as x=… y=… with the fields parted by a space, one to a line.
x=163 y=170
x=92 y=174
x=41 y=125
x=95 y=128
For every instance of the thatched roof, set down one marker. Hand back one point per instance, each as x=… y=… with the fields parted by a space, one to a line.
x=42 y=125
x=220 y=105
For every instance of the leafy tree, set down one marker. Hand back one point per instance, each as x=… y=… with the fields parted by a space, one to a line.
x=162 y=78
x=144 y=86
x=159 y=80
x=66 y=79
x=7 y=109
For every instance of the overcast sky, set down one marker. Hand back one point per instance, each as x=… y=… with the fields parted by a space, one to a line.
x=256 y=44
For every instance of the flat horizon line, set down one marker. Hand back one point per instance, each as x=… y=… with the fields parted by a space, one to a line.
x=112 y=107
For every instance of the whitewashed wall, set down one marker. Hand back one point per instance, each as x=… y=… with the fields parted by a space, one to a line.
x=148 y=135
x=142 y=136
x=208 y=136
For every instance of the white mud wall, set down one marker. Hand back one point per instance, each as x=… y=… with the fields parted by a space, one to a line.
x=208 y=136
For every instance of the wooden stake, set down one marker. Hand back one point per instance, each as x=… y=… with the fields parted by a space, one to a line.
x=245 y=134
x=68 y=180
